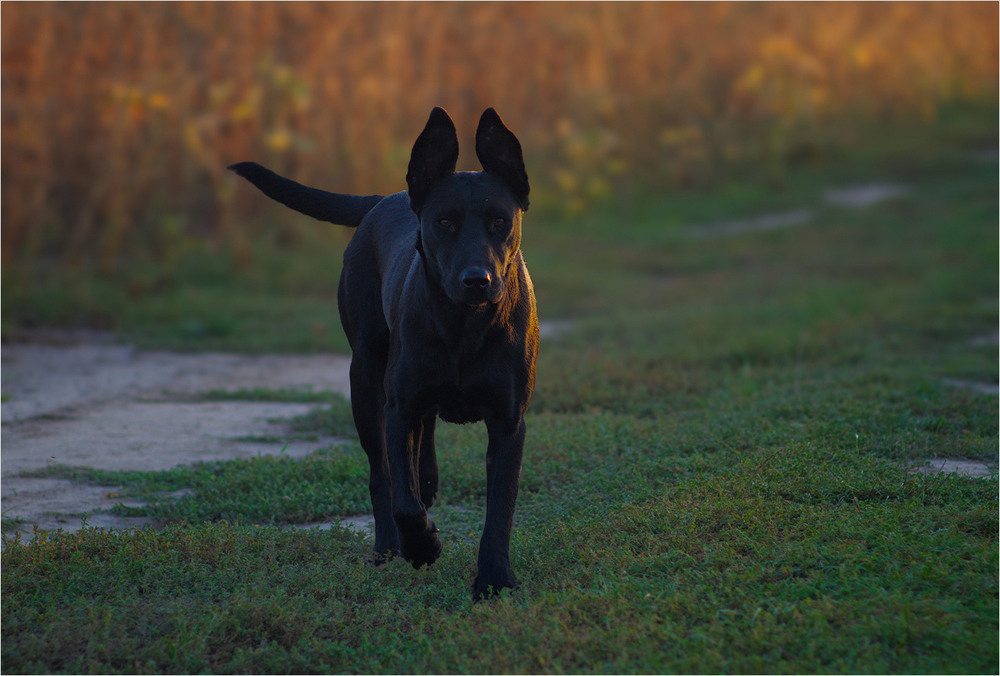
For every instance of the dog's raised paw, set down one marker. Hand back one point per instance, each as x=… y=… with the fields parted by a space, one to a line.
x=423 y=547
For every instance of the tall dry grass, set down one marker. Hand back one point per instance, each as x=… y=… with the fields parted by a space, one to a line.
x=120 y=118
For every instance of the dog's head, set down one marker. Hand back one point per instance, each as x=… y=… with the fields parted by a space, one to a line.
x=470 y=222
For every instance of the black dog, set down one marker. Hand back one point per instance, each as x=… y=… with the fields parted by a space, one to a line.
x=440 y=313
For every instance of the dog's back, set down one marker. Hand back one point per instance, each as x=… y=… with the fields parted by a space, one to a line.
x=385 y=241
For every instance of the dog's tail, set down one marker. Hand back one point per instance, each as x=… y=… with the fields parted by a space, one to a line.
x=325 y=206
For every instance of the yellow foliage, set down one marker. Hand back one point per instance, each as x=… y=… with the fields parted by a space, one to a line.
x=244 y=110
x=617 y=167
x=566 y=180
x=598 y=188
x=279 y=140
x=595 y=90
x=752 y=78
x=861 y=56
x=680 y=135
x=158 y=101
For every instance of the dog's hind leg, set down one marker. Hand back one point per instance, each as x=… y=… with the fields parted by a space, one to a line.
x=428 y=472
x=368 y=404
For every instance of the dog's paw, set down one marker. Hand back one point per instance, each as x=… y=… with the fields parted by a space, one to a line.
x=489 y=583
x=380 y=558
x=422 y=547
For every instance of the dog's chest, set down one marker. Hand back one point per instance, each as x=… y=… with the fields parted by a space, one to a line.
x=463 y=389
x=461 y=395
x=462 y=373
x=459 y=410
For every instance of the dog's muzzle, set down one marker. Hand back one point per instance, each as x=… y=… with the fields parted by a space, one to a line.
x=477 y=286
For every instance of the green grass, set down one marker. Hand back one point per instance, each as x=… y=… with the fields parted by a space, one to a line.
x=280 y=298
x=715 y=478
x=266 y=489
x=301 y=396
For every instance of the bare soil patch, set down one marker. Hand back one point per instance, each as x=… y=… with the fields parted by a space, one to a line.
x=859 y=196
x=970 y=468
x=865 y=195
x=83 y=399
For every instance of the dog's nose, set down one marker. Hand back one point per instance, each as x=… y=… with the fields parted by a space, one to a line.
x=475 y=278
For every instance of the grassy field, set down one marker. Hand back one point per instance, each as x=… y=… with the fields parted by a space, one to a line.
x=716 y=475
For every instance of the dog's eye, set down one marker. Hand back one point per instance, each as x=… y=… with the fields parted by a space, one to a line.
x=498 y=223
x=446 y=223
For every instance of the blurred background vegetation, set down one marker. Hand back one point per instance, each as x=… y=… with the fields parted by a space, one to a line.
x=119 y=120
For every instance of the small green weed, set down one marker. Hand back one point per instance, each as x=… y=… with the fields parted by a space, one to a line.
x=8 y=524
x=266 y=489
x=334 y=420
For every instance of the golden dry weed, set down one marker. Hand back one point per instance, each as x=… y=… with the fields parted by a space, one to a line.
x=120 y=118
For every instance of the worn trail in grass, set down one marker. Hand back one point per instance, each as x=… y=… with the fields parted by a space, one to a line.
x=81 y=399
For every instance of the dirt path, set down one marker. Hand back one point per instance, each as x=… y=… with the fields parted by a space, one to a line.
x=82 y=399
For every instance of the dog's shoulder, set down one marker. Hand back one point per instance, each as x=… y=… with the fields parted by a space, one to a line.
x=385 y=241
x=393 y=212
x=390 y=223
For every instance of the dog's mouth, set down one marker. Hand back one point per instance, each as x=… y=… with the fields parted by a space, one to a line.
x=477 y=297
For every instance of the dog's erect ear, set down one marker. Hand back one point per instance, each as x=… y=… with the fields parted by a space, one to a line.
x=434 y=155
x=499 y=152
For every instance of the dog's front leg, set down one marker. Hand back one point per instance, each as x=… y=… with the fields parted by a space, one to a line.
x=503 y=472
x=428 y=467
x=418 y=535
